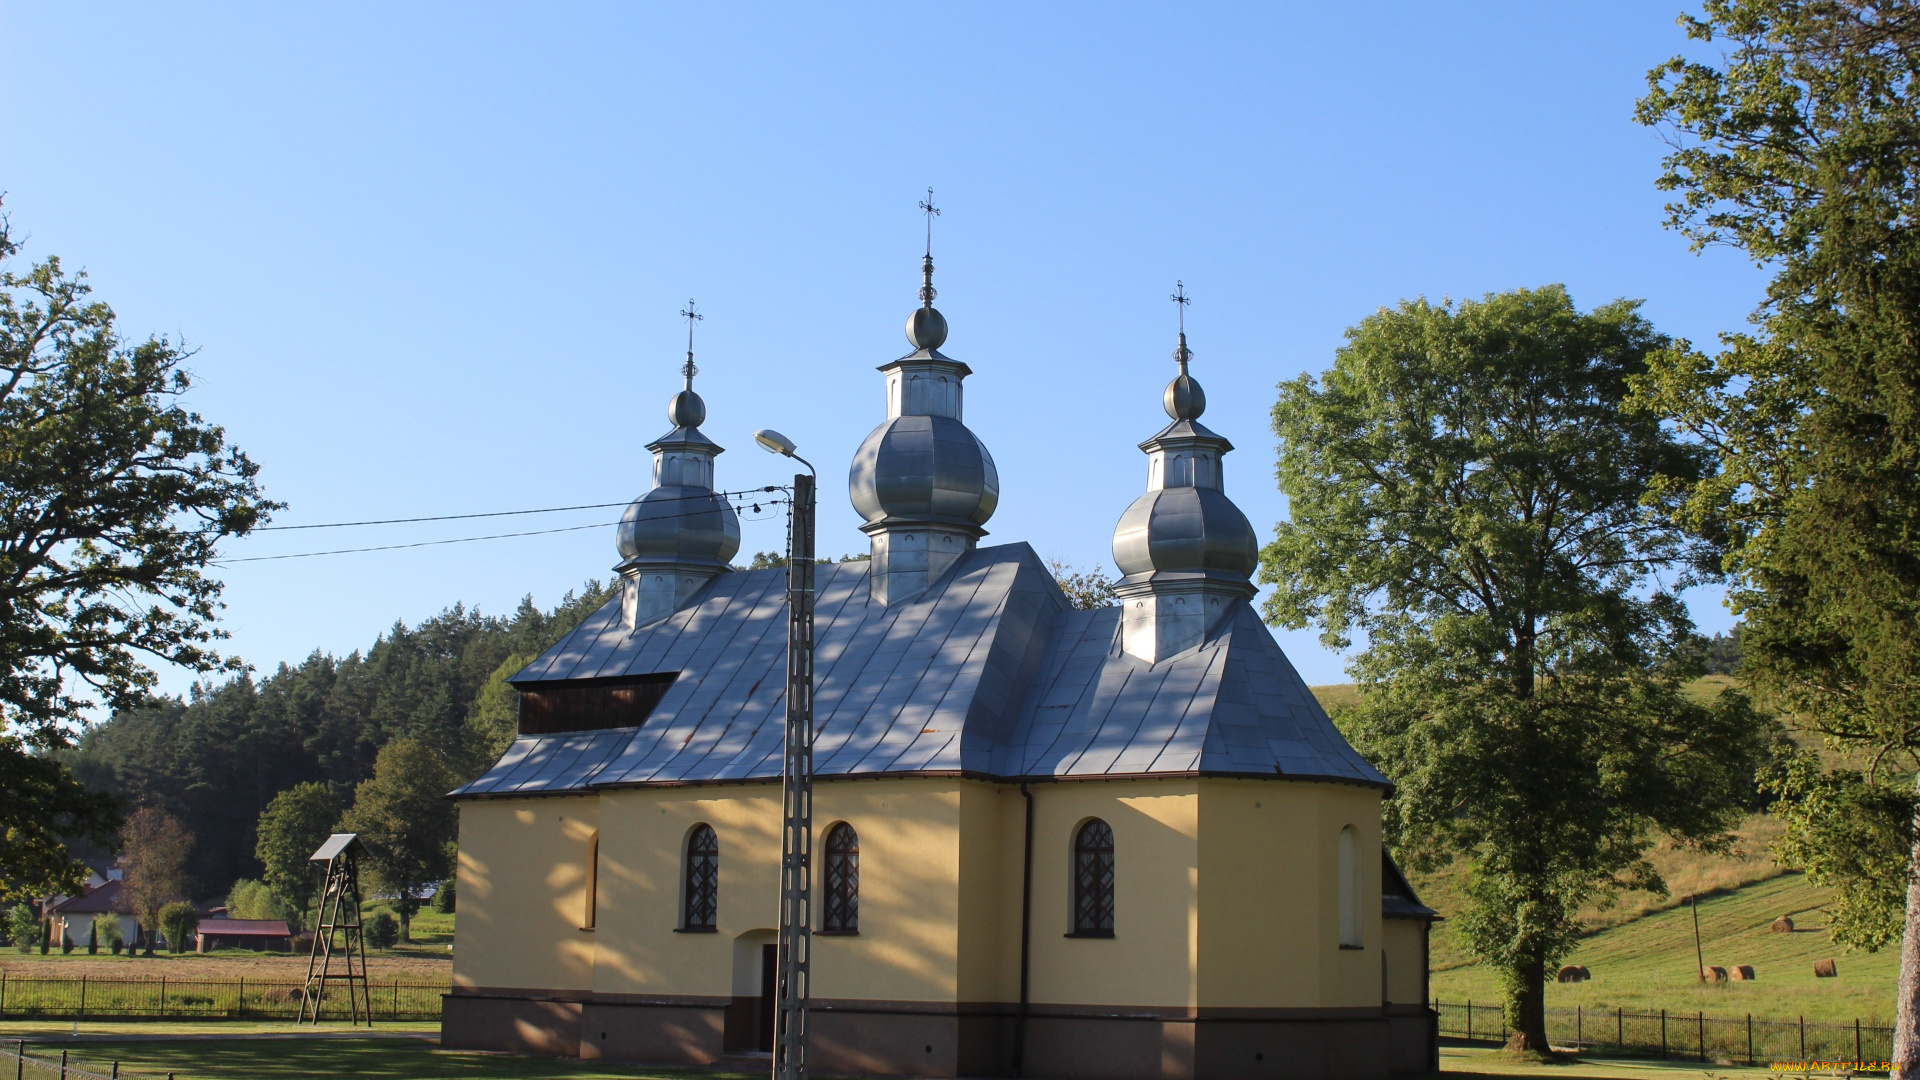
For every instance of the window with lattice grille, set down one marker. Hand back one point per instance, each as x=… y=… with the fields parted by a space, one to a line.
x=703 y=879
x=841 y=913
x=1093 y=880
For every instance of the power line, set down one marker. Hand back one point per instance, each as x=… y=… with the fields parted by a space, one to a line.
x=507 y=513
x=495 y=536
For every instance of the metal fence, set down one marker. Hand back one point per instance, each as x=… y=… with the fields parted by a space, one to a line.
x=202 y=999
x=25 y=1060
x=1727 y=1039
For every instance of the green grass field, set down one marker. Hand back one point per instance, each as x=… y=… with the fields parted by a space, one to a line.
x=1648 y=964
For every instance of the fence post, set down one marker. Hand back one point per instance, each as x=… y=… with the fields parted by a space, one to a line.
x=1749 y=1040
x=1803 y=1040
x=1620 y=1027
x=20 y=1062
x=1469 y=1019
x=1578 y=1028
x=1856 y=1042
x=83 y=997
x=3 y=993
x=63 y=1065
x=1663 y=1033
x=396 y=1005
x=163 y=995
x=240 y=999
x=1702 y=1019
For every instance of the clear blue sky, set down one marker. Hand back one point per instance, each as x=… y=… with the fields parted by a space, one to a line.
x=433 y=256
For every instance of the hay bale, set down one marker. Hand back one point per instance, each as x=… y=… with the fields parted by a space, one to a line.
x=1825 y=969
x=1713 y=974
x=1782 y=925
x=1573 y=973
x=1741 y=973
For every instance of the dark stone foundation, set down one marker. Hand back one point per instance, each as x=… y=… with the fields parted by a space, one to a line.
x=970 y=1039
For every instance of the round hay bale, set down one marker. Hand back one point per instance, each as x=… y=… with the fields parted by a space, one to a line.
x=1574 y=973
x=1713 y=974
x=1741 y=973
x=1783 y=925
x=1825 y=969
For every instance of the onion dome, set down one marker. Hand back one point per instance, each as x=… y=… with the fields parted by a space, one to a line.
x=1186 y=551
x=924 y=483
x=678 y=534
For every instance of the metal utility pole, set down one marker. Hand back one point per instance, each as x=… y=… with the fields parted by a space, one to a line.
x=796 y=797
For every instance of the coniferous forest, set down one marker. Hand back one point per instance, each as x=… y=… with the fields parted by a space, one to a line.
x=216 y=758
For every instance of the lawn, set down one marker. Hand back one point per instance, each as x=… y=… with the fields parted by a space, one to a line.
x=215 y=1059
x=1648 y=964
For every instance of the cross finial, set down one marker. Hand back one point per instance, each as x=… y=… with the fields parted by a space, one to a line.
x=688 y=369
x=932 y=212
x=1181 y=300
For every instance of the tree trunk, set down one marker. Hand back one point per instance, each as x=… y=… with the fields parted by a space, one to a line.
x=1906 y=1028
x=1527 y=1008
x=406 y=923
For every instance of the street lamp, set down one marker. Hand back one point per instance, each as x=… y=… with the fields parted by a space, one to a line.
x=796 y=779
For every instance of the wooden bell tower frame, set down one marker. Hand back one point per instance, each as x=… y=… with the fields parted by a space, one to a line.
x=339 y=914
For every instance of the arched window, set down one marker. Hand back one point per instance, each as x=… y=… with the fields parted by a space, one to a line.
x=1093 y=880
x=841 y=915
x=702 y=889
x=1349 y=870
x=591 y=902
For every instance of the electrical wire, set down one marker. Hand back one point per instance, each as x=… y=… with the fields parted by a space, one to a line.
x=505 y=536
x=509 y=513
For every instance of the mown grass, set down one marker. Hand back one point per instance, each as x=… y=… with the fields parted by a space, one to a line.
x=378 y=1059
x=1648 y=964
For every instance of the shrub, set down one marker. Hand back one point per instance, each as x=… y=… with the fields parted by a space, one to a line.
x=443 y=900
x=178 y=921
x=382 y=930
x=93 y=940
x=66 y=943
x=22 y=927
x=107 y=929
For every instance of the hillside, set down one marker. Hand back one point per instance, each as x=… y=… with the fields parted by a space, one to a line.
x=1648 y=963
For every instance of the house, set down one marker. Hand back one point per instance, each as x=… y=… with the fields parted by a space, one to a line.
x=73 y=916
x=1124 y=842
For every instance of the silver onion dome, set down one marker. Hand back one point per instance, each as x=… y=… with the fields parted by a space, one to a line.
x=924 y=468
x=1185 y=522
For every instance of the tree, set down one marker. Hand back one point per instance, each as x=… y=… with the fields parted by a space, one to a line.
x=178 y=920
x=494 y=719
x=45 y=809
x=1802 y=149
x=406 y=823
x=154 y=849
x=23 y=928
x=114 y=498
x=1466 y=492
x=1085 y=590
x=295 y=824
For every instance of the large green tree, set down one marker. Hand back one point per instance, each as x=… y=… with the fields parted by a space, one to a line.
x=114 y=497
x=291 y=829
x=407 y=824
x=1466 y=492
x=1800 y=145
x=154 y=858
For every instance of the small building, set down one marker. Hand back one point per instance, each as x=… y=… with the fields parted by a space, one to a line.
x=74 y=915
x=1120 y=843
x=243 y=934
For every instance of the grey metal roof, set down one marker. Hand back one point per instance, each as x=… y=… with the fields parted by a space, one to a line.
x=989 y=673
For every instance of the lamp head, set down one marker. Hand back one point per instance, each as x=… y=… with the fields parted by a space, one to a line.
x=774 y=443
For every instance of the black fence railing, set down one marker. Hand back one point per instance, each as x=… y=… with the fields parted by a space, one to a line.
x=203 y=999
x=28 y=1062
x=1744 y=1040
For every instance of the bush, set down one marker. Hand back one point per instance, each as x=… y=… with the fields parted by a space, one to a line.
x=443 y=899
x=66 y=943
x=252 y=899
x=106 y=928
x=178 y=921
x=22 y=927
x=382 y=930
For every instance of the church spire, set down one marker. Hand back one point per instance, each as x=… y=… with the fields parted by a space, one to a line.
x=679 y=534
x=923 y=482
x=1186 y=551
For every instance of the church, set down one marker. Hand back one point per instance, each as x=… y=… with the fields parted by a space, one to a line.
x=1118 y=843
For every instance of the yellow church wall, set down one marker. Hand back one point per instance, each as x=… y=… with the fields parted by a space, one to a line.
x=1148 y=961
x=523 y=891
x=1269 y=910
x=640 y=945
x=992 y=820
x=1405 y=944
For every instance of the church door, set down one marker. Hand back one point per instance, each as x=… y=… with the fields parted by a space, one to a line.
x=769 y=979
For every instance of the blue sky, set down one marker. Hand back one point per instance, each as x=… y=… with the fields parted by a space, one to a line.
x=432 y=256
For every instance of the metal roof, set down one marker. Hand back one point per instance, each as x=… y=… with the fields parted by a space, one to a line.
x=989 y=673
x=335 y=844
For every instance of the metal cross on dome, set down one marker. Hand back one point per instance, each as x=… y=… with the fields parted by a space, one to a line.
x=1181 y=298
x=688 y=313
x=932 y=212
